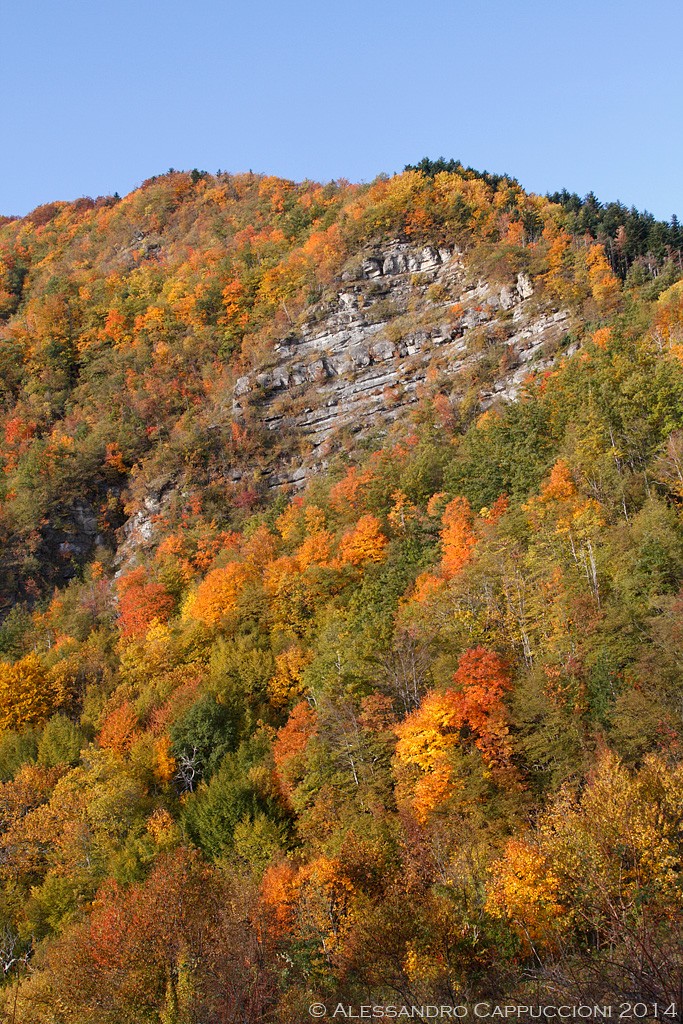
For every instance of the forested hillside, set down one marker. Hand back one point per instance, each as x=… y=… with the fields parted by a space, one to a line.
x=387 y=709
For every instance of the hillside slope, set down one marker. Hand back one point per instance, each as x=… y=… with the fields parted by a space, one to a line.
x=127 y=322
x=342 y=565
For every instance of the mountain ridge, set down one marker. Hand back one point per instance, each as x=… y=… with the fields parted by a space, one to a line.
x=341 y=553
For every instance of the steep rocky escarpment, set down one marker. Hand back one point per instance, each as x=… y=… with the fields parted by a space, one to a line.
x=403 y=318
x=402 y=322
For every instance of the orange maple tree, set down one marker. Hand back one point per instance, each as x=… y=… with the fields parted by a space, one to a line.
x=472 y=713
x=140 y=603
x=120 y=729
x=365 y=542
x=290 y=744
x=457 y=537
x=219 y=592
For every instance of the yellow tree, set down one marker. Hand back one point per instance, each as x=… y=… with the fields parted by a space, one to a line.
x=286 y=682
x=219 y=592
x=364 y=543
x=525 y=890
x=605 y=860
x=604 y=285
x=28 y=694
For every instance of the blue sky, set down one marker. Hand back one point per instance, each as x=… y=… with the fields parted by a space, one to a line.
x=585 y=95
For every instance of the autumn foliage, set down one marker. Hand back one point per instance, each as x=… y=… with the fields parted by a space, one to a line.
x=402 y=726
x=219 y=592
x=120 y=729
x=28 y=695
x=457 y=536
x=141 y=602
x=471 y=712
x=364 y=543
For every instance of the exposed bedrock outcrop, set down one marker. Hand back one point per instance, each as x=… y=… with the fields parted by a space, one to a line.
x=401 y=315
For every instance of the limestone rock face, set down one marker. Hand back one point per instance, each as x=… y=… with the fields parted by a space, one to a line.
x=405 y=322
x=403 y=317
x=524 y=286
x=140 y=530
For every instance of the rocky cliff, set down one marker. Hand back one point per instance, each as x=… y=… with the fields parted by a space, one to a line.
x=403 y=319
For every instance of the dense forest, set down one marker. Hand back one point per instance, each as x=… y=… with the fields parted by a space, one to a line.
x=409 y=734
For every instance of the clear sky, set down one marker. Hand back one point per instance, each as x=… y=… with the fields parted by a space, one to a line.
x=584 y=94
